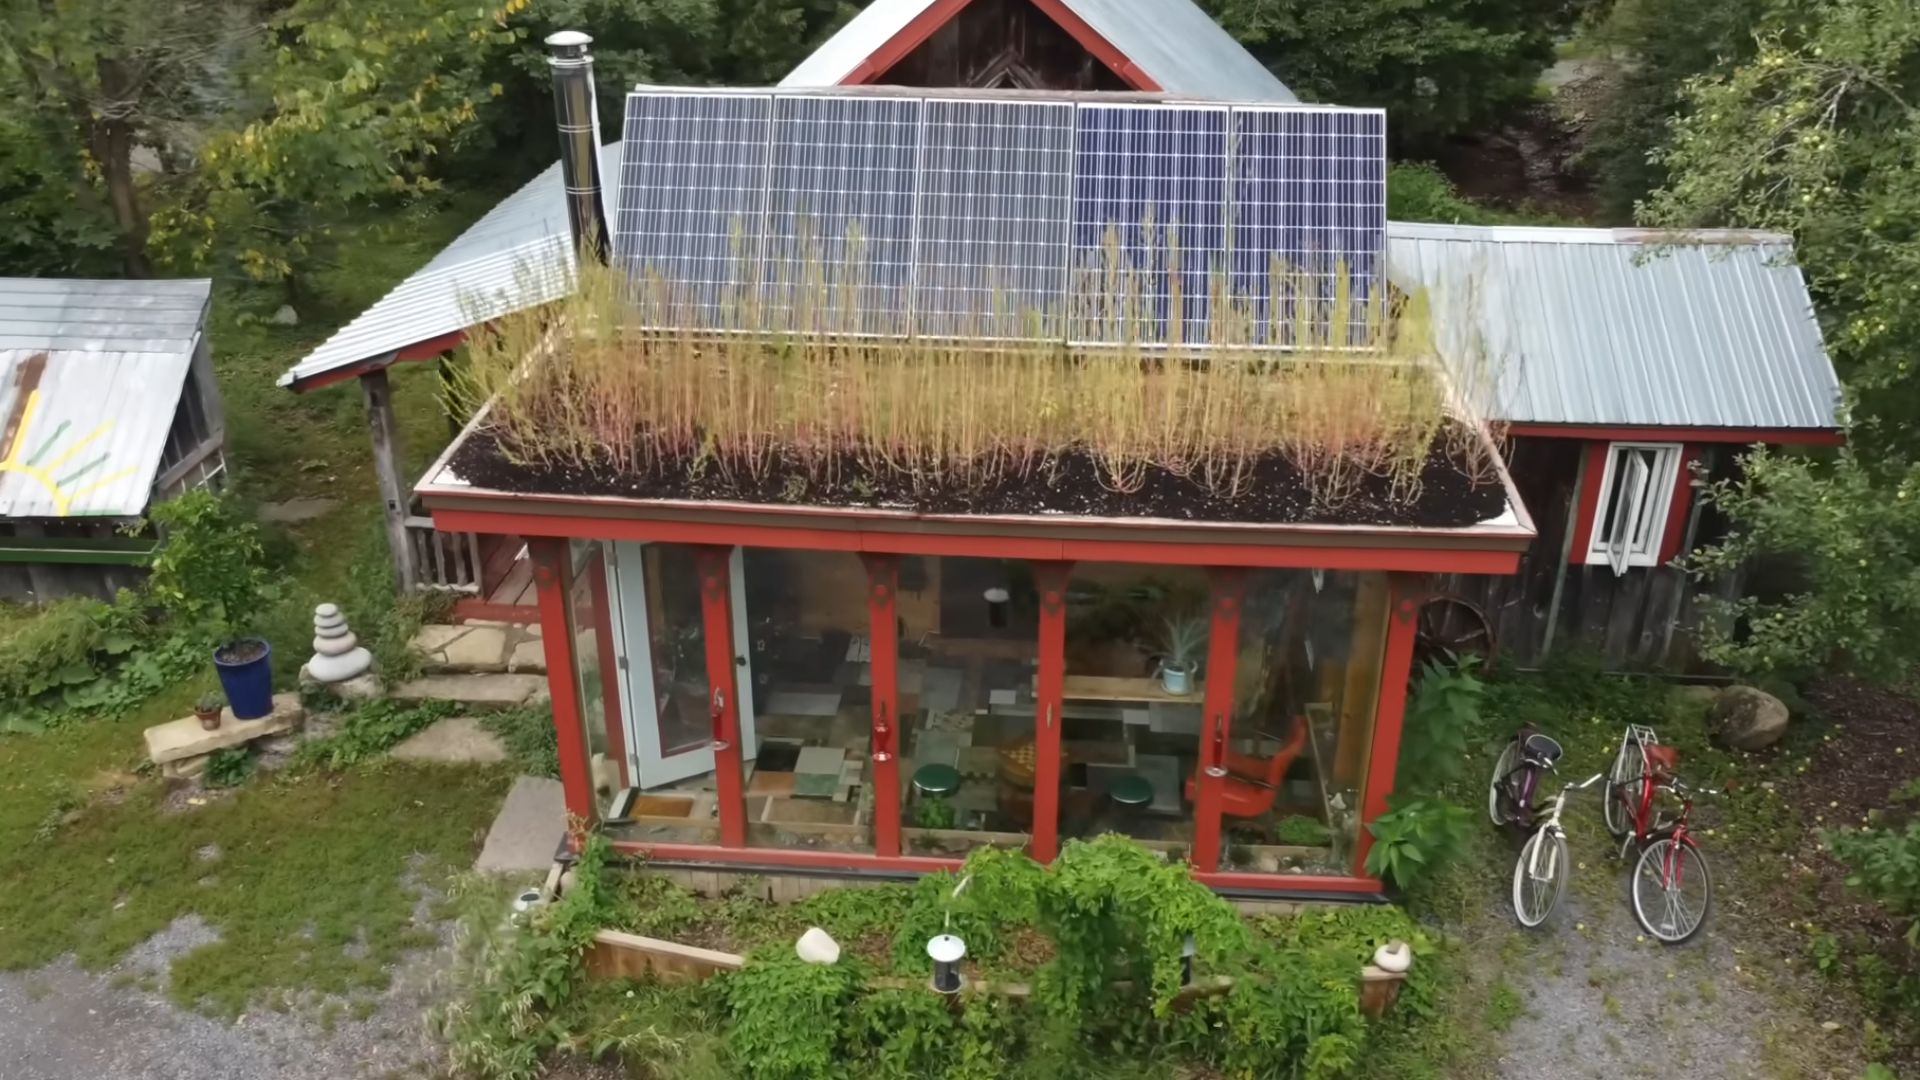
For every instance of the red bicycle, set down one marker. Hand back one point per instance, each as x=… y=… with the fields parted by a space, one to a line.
x=1671 y=888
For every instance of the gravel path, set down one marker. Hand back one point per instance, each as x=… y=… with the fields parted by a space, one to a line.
x=1596 y=999
x=63 y=1023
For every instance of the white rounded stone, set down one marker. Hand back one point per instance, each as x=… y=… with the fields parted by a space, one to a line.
x=816 y=946
x=334 y=646
x=335 y=669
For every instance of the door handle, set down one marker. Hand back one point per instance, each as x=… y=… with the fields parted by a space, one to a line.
x=739 y=661
x=718 y=715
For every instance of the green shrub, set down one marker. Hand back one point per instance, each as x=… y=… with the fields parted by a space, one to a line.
x=530 y=738
x=210 y=568
x=1414 y=838
x=788 y=1018
x=369 y=729
x=1299 y=830
x=1886 y=866
x=229 y=767
x=1442 y=716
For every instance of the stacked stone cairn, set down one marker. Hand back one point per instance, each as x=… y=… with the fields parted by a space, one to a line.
x=337 y=654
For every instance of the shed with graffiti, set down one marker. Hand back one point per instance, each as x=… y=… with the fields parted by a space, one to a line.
x=109 y=402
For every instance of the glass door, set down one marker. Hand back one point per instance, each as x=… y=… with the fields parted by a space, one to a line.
x=663 y=652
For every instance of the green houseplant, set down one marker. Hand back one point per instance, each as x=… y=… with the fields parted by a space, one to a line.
x=207 y=710
x=1181 y=645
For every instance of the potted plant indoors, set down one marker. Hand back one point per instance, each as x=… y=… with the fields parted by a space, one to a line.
x=208 y=709
x=1180 y=648
x=246 y=674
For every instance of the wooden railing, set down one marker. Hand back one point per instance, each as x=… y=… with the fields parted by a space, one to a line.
x=443 y=561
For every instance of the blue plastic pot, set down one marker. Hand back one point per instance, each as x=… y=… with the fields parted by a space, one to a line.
x=248 y=683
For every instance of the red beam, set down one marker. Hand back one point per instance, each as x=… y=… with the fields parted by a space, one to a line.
x=1330 y=551
x=797 y=858
x=550 y=582
x=1390 y=707
x=1281 y=884
x=1091 y=40
x=883 y=630
x=1596 y=474
x=909 y=37
x=1051 y=579
x=432 y=347
x=1747 y=436
x=714 y=565
x=1223 y=653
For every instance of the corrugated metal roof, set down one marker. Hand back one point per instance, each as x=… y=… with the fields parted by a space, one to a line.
x=517 y=256
x=1710 y=329
x=90 y=377
x=1173 y=42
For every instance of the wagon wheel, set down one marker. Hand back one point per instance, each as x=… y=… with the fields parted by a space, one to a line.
x=1454 y=625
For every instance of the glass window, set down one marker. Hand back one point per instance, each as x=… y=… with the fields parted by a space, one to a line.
x=1131 y=704
x=969 y=652
x=810 y=782
x=1308 y=677
x=595 y=674
x=1636 y=491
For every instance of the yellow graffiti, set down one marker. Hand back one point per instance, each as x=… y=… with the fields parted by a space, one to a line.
x=47 y=475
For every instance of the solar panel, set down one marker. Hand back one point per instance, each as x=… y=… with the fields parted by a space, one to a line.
x=840 y=201
x=1309 y=207
x=1093 y=221
x=1149 y=215
x=995 y=202
x=692 y=203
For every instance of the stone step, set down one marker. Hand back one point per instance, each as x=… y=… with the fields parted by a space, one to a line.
x=481 y=647
x=178 y=740
x=457 y=740
x=479 y=691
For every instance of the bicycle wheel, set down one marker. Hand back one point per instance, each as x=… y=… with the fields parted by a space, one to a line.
x=1500 y=784
x=1672 y=890
x=1539 y=878
x=1622 y=783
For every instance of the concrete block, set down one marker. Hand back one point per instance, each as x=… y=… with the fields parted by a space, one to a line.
x=527 y=829
x=457 y=740
x=529 y=656
x=481 y=691
x=177 y=740
x=481 y=648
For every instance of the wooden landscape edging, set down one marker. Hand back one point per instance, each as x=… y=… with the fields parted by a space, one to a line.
x=618 y=955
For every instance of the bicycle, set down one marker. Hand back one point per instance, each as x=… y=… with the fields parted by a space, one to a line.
x=1671 y=888
x=1516 y=777
x=1540 y=873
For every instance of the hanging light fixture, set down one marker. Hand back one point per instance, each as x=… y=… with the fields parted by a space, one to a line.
x=946 y=951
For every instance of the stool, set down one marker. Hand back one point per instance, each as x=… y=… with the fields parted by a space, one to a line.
x=1130 y=791
x=938 y=781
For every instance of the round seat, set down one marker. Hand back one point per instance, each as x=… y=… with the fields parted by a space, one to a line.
x=1542 y=749
x=936 y=780
x=1131 y=790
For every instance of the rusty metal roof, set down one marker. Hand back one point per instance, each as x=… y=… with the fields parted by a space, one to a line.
x=1621 y=327
x=1172 y=42
x=90 y=376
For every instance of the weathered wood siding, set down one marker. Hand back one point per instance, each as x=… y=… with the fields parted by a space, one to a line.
x=1638 y=620
x=1008 y=44
x=40 y=583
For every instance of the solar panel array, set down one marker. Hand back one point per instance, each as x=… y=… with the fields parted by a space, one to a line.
x=1093 y=221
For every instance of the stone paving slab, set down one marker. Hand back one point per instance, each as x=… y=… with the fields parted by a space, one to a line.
x=457 y=740
x=527 y=830
x=177 y=740
x=482 y=691
x=479 y=647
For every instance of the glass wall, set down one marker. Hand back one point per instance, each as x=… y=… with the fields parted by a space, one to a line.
x=596 y=676
x=810 y=782
x=1131 y=702
x=969 y=653
x=1311 y=648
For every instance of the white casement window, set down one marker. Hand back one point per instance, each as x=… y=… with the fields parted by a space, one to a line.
x=1636 y=493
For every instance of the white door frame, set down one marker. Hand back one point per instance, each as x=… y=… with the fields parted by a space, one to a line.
x=638 y=697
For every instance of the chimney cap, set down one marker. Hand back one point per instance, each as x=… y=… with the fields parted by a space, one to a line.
x=569 y=42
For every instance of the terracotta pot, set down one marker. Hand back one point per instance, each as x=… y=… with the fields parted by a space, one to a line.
x=209 y=718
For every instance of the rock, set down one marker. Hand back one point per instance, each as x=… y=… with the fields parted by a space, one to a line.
x=457 y=740
x=529 y=655
x=1829 y=1026
x=337 y=653
x=296 y=510
x=482 y=648
x=816 y=946
x=528 y=829
x=1393 y=957
x=285 y=316
x=1747 y=719
x=184 y=738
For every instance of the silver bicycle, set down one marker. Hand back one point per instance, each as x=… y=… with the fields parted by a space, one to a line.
x=1540 y=873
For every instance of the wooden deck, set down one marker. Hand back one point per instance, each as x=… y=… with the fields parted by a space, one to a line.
x=509 y=595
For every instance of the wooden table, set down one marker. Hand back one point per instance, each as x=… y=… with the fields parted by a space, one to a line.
x=1123 y=688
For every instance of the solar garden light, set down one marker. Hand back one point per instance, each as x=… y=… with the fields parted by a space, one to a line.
x=1187 y=949
x=947 y=951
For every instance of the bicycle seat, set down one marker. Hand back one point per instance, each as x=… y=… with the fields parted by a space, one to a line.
x=1541 y=749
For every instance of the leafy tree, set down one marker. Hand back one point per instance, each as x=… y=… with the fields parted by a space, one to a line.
x=91 y=83
x=1437 y=67
x=362 y=96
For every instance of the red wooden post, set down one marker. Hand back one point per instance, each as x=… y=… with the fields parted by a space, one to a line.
x=883 y=631
x=1390 y=709
x=551 y=581
x=1223 y=657
x=716 y=603
x=1051 y=578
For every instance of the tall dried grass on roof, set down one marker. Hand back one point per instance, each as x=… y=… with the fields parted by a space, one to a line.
x=633 y=372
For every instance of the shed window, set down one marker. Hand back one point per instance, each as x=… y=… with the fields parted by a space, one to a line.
x=1636 y=493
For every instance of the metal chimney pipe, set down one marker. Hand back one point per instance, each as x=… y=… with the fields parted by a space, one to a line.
x=577 y=115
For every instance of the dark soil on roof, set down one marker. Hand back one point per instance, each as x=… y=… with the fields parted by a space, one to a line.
x=1071 y=483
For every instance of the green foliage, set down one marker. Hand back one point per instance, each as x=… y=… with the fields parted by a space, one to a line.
x=211 y=701
x=1293 y=1012
x=210 y=568
x=1414 y=838
x=1442 y=715
x=369 y=729
x=1417 y=191
x=1886 y=866
x=229 y=767
x=512 y=979
x=1853 y=528
x=530 y=738
x=82 y=659
x=933 y=812
x=1301 y=831
x=789 y=1017
x=1437 y=68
